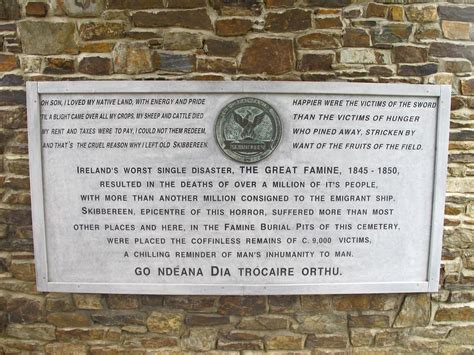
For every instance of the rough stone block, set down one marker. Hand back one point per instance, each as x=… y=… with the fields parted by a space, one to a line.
x=356 y=37
x=467 y=86
x=456 y=13
x=368 y=321
x=205 y=320
x=410 y=54
x=122 y=301
x=194 y=19
x=242 y=306
x=327 y=341
x=96 y=31
x=95 y=65
x=391 y=33
x=284 y=342
x=42 y=37
x=36 y=9
x=268 y=55
x=456 y=30
x=221 y=48
x=25 y=309
x=31 y=331
x=316 y=62
x=132 y=58
x=64 y=319
x=358 y=56
x=8 y=62
x=170 y=323
x=417 y=69
x=65 y=348
x=181 y=41
x=174 y=62
x=288 y=21
x=452 y=50
x=422 y=13
x=318 y=40
x=84 y=8
x=328 y=22
x=454 y=314
x=321 y=323
x=87 y=301
x=119 y=318
x=455 y=65
x=58 y=65
x=376 y=10
x=218 y=65
x=233 y=27
x=415 y=312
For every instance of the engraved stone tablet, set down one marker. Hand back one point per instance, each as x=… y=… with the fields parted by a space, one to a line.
x=237 y=187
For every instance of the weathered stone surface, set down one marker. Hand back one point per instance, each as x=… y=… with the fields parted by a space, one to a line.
x=87 y=301
x=218 y=65
x=358 y=56
x=88 y=334
x=11 y=80
x=456 y=13
x=381 y=70
x=135 y=4
x=284 y=342
x=318 y=40
x=283 y=304
x=119 y=317
x=25 y=309
x=23 y=269
x=174 y=62
x=96 y=31
x=185 y=4
x=451 y=50
x=422 y=13
x=122 y=301
x=368 y=321
x=428 y=31
x=456 y=30
x=467 y=86
x=205 y=320
x=417 y=69
x=42 y=37
x=362 y=337
x=327 y=341
x=84 y=8
x=264 y=322
x=152 y=300
x=36 y=9
x=242 y=306
x=65 y=348
x=321 y=323
x=132 y=58
x=409 y=54
x=376 y=10
x=325 y=3
x=194 y=19
x=328 y=22
x=288 y=21
x=396 y=13
x=392 y=33
x=169 y=323
x=95 y=65
x=181 y=41
x=454 y=314
x=462 y=296
x=8 y=62
x=461 y=335
x=279 y=3
x=455 y=65
x=232 y=345
x=268 y=55
x=63 y=319
x=192 y=303
x=9 y=10
x=59 y=302
x=415 y=311
x=356 y=37
x=316 y=62
x=233 y=27
x=200 y=339
x=58 y=65
x=221 y=47
x=31 y=331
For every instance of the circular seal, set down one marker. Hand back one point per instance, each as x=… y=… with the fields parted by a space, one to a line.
x=248 y=130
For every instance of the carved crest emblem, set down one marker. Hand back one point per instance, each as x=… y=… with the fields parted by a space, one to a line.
x=248 y=130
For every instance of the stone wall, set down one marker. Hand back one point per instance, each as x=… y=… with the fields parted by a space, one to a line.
x=387 y=41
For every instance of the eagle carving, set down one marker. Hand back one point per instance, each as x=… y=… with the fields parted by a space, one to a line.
x=248 y=122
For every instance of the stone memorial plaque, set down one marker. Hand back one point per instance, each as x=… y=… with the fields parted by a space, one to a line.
x=237 y=187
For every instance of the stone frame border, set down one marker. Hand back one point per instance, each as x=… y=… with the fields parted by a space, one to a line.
x=442 y=92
